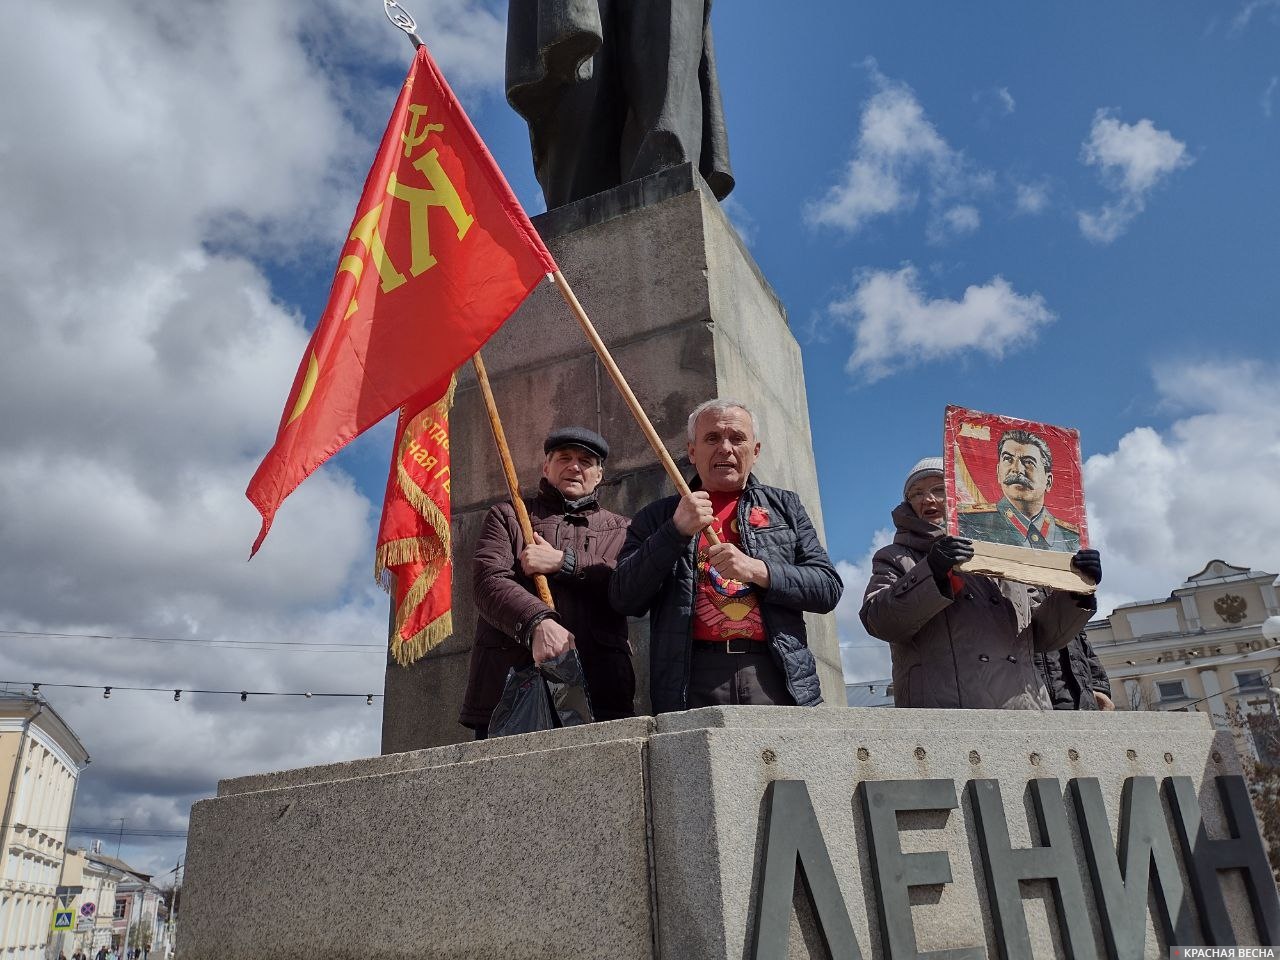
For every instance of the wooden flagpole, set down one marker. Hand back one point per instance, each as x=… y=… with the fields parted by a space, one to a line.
x=509 y=470
x=624 y=388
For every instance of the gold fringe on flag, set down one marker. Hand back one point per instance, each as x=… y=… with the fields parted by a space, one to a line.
x=429 y=637
x=431 y=550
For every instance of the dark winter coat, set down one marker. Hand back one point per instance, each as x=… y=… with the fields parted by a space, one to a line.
x=969 y=649
x=657 y=573
x=509 y=607
x=1073 y=674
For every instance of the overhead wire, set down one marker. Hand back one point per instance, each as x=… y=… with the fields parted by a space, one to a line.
x=281 y=645
x=109 y=688
x=114 y=831
x=1239 y=686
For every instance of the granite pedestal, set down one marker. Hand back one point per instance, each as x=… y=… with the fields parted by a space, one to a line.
x=687 y=316
x=647 y=838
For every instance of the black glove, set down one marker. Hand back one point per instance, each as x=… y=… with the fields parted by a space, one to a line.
x=946 y=552
x=1089 y=562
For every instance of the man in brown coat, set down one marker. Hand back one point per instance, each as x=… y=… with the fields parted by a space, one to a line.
x=576 y=544
x=962 y=639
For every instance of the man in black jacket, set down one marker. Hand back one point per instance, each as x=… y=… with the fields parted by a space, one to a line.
x=726 y=620
x=1075 y=677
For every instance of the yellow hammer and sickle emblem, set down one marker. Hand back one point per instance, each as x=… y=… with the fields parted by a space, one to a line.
x=412 y=137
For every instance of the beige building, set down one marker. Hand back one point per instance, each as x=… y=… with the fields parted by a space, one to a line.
x=1211 y=646
x=40 y=762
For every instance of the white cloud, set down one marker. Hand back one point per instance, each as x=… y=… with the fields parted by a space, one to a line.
x=1109 y=222
x=1268 y=97
x=896 y=324
x=1166 y=502
x=1250 y=8
x=957 y=221
x=995 y=101
x=169 y=157
x=1133 y=156
x=743 y=222
x=898 y=154
x=1031 y=198
x=862 y=655
x=1132 y=159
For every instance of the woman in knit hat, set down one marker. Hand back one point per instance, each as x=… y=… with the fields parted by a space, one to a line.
x=962 y=639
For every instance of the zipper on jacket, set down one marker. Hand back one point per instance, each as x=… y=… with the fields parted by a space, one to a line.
x=747 y=535
x=688 y=643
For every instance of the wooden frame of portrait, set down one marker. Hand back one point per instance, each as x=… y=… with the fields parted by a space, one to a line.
x=989 y=490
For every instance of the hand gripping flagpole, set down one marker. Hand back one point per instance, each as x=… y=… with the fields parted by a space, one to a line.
x=509 y=470
x=403 y=20
x=620 y=382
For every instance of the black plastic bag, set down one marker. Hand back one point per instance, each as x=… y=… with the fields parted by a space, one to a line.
x=541 y=699
x=525 y=704
x=568 y=688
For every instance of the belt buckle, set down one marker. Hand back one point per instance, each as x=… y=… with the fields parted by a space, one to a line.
x=728 y=645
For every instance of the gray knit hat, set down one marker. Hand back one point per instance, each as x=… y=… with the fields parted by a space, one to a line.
x=924 y=468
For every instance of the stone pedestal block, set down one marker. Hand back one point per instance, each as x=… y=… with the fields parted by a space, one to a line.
x=687 y=316
x=685 y=837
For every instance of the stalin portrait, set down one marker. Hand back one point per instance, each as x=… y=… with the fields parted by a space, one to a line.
x=1024 y=472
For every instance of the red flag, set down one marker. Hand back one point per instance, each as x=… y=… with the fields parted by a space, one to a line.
x=439 y=255
x=413 y=561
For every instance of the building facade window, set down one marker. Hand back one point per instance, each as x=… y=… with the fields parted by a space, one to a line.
x=1253 y=692
x=1251 y=680
x=1171 y=690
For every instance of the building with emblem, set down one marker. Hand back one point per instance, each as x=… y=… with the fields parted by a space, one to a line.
x=1212 y=645
x=40 y=761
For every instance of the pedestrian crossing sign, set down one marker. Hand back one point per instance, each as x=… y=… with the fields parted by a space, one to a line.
x=63 y=919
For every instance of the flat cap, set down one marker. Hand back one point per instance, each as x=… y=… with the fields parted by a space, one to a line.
x=588 y=440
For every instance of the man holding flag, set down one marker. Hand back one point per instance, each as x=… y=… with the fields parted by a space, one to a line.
x=439 y=255
x=575 y=545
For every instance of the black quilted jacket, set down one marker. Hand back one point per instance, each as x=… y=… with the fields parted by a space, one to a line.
x=1071 y=672
x=656 y=574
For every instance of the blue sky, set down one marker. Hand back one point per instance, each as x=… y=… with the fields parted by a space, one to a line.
x=1065 y=214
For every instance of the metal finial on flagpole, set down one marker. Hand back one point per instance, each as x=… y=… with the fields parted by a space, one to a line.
x=403 y=19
